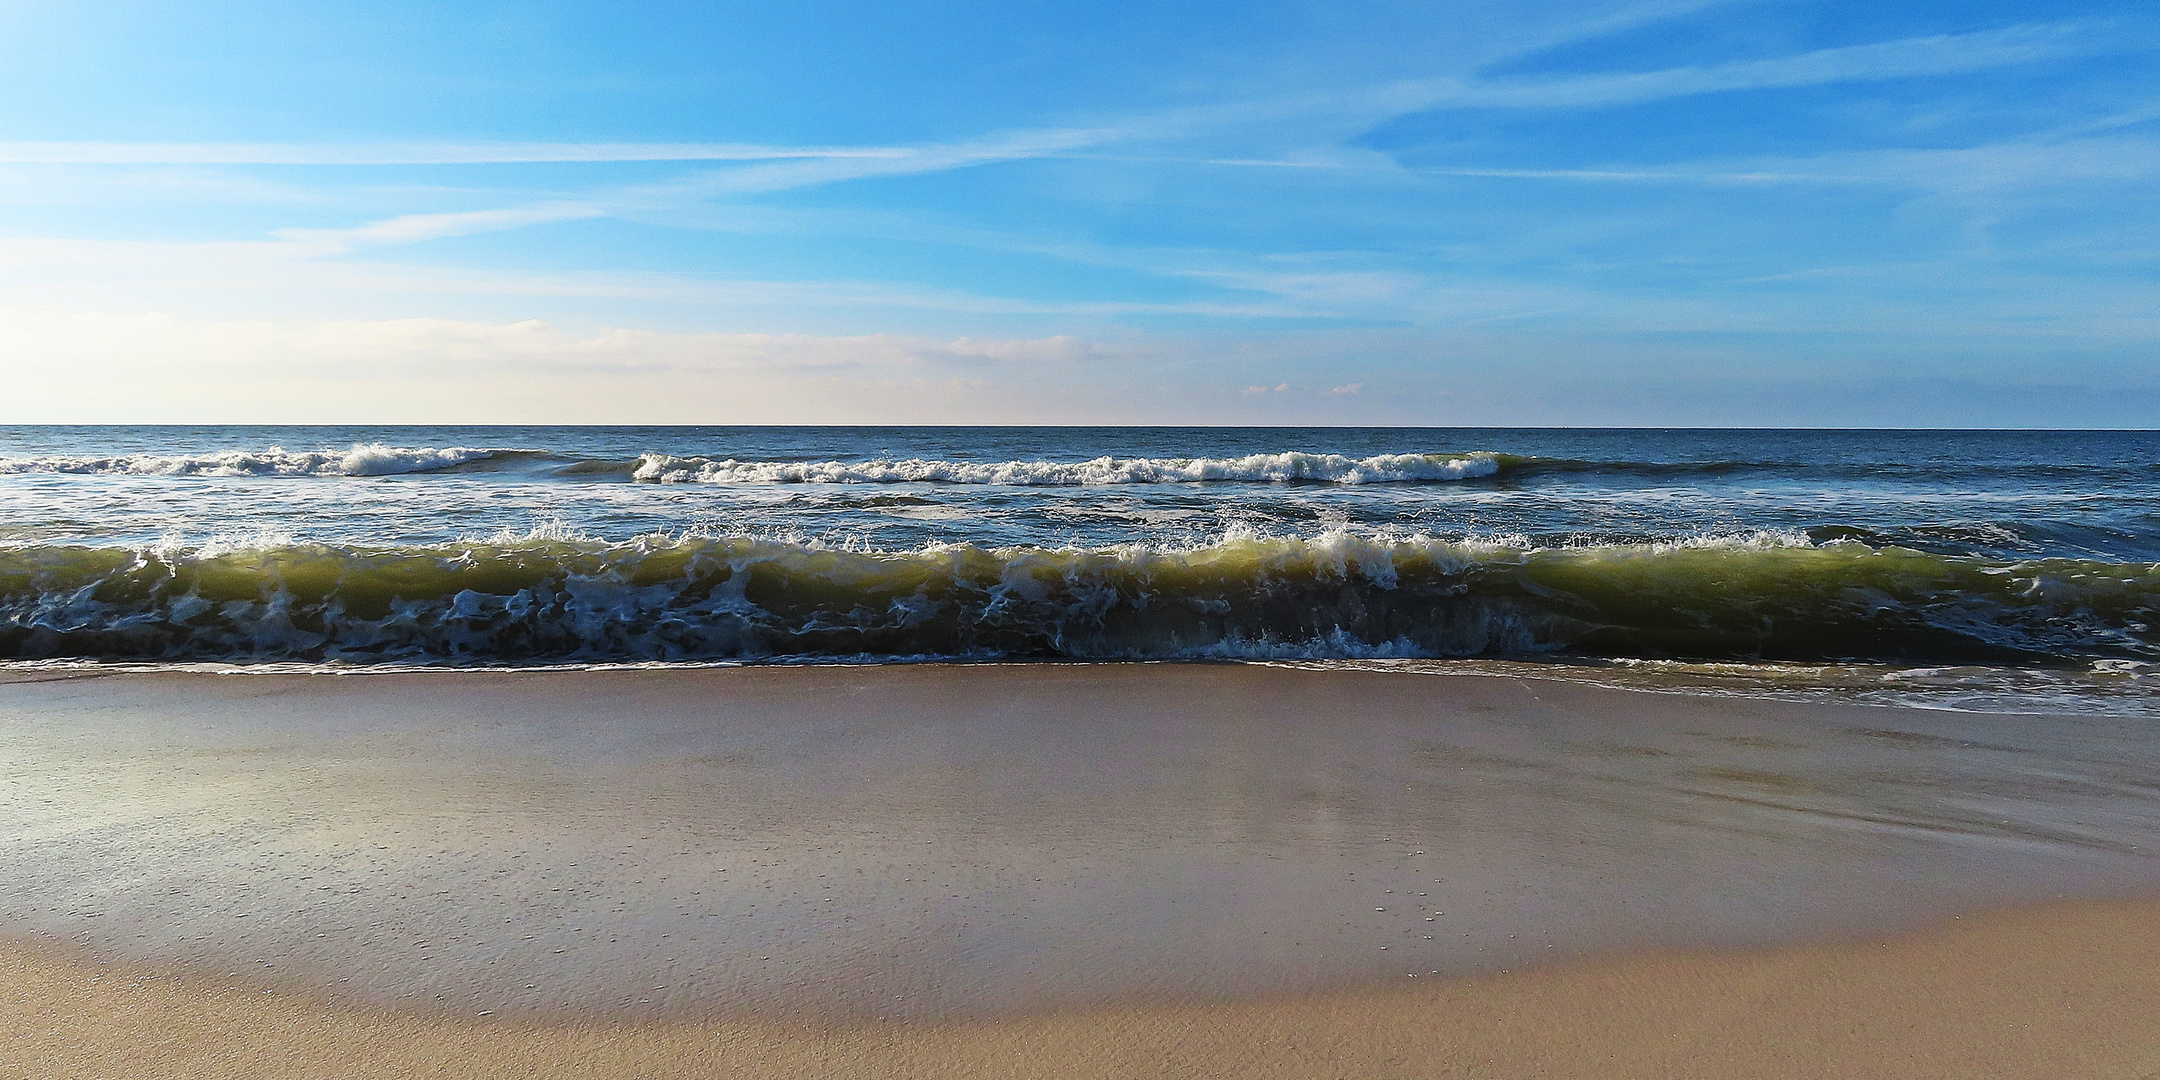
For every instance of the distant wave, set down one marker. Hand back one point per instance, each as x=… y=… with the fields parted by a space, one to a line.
x=375 y=459
x=367 y=459
x=1339 y=595
x=1289 y=467
x=1286 y=467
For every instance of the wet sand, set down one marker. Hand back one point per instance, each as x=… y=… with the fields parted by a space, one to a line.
x=2058 y=993
x=1134 y=869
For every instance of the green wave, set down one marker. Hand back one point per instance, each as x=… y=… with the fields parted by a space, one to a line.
x=1336 y=595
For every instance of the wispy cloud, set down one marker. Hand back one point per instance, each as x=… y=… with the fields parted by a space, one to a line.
x=764 y=169
x=805 y=171
x=1940 y=54
x=930 y=158
x=797 y=165
x=521 y=345
x=2050 y=158
x=414 y=228
x=148 y=275
x=1903 y=58
x=1404 y=279
x=1998 y=165
x=411 y=153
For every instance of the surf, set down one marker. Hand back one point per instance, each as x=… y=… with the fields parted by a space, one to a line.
x=1338 y=594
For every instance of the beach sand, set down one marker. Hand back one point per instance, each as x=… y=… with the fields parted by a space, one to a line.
x=1070 y=870
x=2059 y=992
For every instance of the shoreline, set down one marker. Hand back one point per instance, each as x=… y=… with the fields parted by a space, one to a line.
x=2060 y=990
x=1989 y=689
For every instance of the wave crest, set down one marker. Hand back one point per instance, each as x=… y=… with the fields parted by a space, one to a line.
x=363 y=459
x=1334 y=595
x=1283 y=468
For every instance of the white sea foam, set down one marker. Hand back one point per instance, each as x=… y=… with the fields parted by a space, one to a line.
x=1257 y=468
x=176 y=544
x=363 y=459
x=1757 y=540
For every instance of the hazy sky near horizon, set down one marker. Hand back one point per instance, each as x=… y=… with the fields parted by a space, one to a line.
x=1631 y=213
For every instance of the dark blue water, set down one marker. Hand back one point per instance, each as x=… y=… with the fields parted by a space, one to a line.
x=2004 y=494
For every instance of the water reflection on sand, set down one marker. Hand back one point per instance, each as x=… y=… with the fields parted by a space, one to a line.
x=933 y=839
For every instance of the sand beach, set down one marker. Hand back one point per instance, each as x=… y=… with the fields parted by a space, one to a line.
x=1060 y=870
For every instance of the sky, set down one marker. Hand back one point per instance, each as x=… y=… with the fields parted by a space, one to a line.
x=1658 y=213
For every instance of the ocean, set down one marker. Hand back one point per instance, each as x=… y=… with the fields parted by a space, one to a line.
x=1952 y=565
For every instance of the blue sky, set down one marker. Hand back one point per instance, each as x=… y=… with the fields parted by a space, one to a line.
x=1745 y=213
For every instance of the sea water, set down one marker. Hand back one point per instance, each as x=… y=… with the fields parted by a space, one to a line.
x=1723 y=555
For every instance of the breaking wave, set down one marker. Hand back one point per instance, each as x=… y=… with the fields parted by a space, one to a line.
x=552 y=598
x=375 y=459
x=1287 y=467
x=367 y=459
x=1291 y=467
